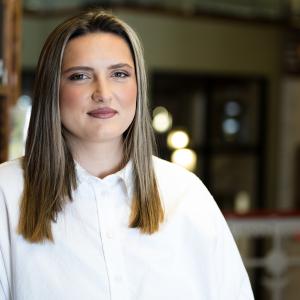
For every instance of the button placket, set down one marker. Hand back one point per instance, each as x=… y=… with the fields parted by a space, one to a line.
x=109 y=234
x=111 y=244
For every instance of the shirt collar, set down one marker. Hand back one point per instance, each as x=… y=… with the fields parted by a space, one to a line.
x=125 y=175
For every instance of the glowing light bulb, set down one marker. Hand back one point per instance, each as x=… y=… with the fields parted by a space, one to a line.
x=231 y=126
x=178 y=139
x=186 y=158
x=162 y=119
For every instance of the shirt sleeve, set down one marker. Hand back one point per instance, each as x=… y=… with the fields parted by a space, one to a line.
x=232 y=277
x=4 y=250
x=245 y=292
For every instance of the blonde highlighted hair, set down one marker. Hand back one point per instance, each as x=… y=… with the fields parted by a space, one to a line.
x=49 y=168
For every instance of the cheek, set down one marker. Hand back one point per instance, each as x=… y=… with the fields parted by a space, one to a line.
x=70 y=98
x=129 y=97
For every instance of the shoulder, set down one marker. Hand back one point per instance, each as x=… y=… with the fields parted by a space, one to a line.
x=175 y=177
x=11 y=165
x=11 y=169
x=181 y=190
x=11 y=188
x=11 y=175
x=187 y=203
x=165 y=168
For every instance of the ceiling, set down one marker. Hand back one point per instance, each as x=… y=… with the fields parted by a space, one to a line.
x=273 y=10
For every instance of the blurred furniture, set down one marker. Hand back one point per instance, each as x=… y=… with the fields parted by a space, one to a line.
x=281 y=260
x=10 y=17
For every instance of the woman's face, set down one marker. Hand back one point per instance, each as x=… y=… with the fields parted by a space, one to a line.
x=98 y=88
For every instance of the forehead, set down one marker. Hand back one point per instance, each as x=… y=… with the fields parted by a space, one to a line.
x=99 y=45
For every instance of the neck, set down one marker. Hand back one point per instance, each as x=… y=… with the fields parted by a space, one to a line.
x=99 y=159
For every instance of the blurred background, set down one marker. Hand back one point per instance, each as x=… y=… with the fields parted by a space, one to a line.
x=224 y=81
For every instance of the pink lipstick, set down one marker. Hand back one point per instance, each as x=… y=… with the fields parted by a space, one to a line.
x=103 y=113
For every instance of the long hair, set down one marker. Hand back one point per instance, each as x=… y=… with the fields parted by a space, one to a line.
x=49 y=168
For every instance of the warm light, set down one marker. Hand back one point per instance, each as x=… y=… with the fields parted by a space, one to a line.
x=186 y=158
x=162 y=119
x=177 y=139
x=242 y=202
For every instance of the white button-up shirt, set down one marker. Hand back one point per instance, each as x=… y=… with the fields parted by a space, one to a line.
x=96 y=256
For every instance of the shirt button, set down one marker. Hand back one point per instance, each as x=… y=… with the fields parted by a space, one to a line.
x=118 y=278
x=109 y=235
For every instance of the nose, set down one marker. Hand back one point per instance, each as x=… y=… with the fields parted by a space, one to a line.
x=101 y=91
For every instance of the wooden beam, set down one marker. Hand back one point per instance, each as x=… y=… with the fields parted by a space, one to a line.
x=9 y=92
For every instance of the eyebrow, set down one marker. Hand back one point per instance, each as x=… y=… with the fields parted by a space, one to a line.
x=112 y=67
x=120 y=65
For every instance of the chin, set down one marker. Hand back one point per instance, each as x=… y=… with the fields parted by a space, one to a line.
x=106 y=138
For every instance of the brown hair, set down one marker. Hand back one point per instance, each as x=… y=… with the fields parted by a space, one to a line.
x=49 y=168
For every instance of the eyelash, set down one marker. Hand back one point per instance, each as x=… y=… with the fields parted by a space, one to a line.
x=122 y=73
x=78 y=76
x=81 y=76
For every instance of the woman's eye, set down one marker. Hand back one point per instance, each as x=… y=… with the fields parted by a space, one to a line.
x=120 y=74
x=79 y=76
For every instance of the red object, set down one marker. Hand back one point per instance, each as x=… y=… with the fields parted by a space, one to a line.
x=262 y=214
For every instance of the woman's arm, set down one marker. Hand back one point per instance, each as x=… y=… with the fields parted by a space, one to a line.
x=232 y=278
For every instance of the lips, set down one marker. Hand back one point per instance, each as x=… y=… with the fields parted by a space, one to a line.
x=103 y=113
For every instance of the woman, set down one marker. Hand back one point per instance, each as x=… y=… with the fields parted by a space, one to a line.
x=88 y=212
